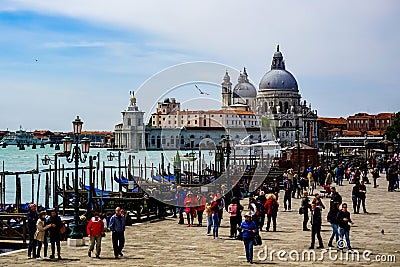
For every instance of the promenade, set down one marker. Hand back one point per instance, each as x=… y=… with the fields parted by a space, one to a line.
x=165 y=243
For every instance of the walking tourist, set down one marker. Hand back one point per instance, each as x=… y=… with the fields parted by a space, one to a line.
x=332 y=219
x=32 y=220
x=344 y=219
x=54 y=231
x=288 y=187
x=40 y=234
x=354 y=197
x=271 y=209
x=305 y=206
x=248 y=228
x=190 y=210
x=201 y=205
x=234 y=210
x=215 y=218
x=375 y=176
x=316 y=223
x=318 y=202
x=335 y=197
x=179 y=198
x=362 y=191
x=117 y=226
x=209 y=218
x=95 y=231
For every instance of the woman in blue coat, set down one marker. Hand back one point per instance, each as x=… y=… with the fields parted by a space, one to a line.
x=249 y=229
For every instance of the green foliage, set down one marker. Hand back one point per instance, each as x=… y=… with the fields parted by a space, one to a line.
x=394 y=130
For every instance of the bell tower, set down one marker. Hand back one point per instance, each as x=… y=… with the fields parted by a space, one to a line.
x=226 y=91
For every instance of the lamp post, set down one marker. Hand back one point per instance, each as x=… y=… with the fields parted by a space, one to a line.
x=227 y=148
x=76 y=154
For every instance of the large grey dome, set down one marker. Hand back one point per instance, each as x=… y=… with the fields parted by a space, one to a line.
x=278 y=79
x=244 y=89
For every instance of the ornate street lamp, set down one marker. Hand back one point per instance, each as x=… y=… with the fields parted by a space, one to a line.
x=76 y=154
x=226 y=145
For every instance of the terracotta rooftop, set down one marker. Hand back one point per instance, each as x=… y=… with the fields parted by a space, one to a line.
x=340 y=120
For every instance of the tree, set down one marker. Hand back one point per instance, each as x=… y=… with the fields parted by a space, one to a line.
x=393 y=130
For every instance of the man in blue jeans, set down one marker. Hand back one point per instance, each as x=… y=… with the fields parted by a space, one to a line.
x=117 y=226
x=248 y=228
x=344 y=219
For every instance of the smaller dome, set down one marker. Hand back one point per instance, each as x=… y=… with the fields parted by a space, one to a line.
x=244 y=89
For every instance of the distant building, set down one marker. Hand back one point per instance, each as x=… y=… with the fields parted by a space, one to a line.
x=129 y=135
x=364 y=122
x=329 y=127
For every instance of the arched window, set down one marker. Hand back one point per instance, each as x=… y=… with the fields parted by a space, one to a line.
x=129 y=122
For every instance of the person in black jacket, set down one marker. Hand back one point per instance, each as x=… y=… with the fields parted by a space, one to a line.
x=354 y=194
x=332 y=219
x=288 y=187
x=305 y=206
x=362 y=190
x=335 y=197
x=32 y=220
x=316 y=223
x=344 y=219
x=54 y=231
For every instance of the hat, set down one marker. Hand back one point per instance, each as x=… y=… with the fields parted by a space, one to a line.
x=247 y=214
x=43 y=212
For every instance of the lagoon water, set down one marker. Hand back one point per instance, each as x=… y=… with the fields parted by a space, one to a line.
x=15 y=160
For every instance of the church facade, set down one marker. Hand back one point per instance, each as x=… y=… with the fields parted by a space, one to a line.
x=273 y=111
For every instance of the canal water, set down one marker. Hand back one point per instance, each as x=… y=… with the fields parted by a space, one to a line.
x=15 y=160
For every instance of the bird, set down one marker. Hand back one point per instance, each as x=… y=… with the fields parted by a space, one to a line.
x=201 y=92
x=382 y=231
x=36 y=60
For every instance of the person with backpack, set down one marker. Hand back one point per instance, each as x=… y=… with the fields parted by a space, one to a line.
x=271 y=209
x=261 y=199
x=95 y=231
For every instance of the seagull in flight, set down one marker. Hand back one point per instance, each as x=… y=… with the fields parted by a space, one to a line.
x=201 y=92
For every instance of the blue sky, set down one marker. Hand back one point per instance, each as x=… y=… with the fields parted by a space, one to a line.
x=90 y=54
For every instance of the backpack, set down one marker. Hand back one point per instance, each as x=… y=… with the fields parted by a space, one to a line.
x=260 y=208
x=274 y=206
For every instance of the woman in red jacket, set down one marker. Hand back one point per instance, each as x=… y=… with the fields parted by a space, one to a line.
x=95 y=230
x=190 y=204
x=271 y=209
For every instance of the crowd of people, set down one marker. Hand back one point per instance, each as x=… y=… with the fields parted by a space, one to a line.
x=314 y=185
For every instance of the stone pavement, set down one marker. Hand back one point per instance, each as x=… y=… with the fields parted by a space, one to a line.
x=165 y=243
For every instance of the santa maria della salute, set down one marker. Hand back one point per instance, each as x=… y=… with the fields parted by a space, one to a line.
x=273 y=112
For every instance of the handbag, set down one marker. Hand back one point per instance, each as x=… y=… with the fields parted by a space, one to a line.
x=257 y=241
x=63 y=229
x=301 y=210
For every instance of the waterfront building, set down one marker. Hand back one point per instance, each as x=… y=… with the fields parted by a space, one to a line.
x=370 y=122
x=129 y=135
x=274 y=111
x=328 y=128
